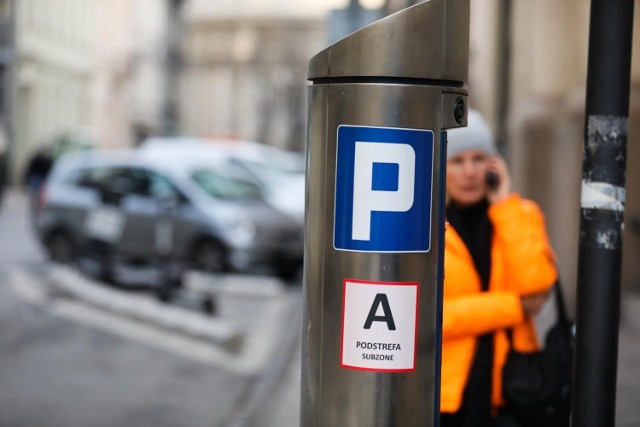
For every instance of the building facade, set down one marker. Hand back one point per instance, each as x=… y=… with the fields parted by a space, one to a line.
x=55 y=53
x=244 y=74
x=130 y=71
x=87 y=73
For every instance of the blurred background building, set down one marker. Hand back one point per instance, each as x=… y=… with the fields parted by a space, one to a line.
x=114 y=71
x=89 y=73
x=131 y=72
x=54 y=56
x=244 y=72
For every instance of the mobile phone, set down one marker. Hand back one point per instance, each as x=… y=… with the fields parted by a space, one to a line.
x=493 y=181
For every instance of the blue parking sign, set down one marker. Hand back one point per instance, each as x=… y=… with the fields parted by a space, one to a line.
x=383 y=189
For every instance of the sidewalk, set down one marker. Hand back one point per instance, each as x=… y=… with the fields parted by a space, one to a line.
x=628 y=388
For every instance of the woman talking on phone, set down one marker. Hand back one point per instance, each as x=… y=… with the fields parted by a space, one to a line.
x=499 y=267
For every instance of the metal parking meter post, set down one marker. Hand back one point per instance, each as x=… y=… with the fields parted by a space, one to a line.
x=378 y=106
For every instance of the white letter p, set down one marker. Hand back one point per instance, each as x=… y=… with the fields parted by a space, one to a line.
x=365 y=199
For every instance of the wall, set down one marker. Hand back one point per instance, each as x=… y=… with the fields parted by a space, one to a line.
x=129 y=83
x=55 y=55
x=246 y=77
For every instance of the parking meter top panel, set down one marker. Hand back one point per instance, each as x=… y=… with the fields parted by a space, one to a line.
x=398 y=47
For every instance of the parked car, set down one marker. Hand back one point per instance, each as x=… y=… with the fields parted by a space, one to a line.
x=194 y=210
x=279 y=173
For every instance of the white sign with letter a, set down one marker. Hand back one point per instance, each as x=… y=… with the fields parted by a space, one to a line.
x=379 y=325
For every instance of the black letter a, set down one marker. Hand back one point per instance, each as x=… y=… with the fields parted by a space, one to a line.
x=388 y=317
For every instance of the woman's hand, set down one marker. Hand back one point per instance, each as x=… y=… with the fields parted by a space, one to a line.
x=499 y=167
x=532 y=304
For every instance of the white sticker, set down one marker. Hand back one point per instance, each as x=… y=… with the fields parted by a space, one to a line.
x=379 y=325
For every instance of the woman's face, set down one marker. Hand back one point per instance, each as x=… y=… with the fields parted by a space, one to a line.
x=467 y=177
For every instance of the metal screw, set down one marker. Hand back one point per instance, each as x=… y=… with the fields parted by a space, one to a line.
x=459 y=110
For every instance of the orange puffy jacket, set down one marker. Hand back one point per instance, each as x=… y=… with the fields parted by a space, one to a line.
x=522 y=263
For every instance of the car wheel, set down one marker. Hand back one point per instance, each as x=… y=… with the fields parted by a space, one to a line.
x=60 y=248
x=210 y=257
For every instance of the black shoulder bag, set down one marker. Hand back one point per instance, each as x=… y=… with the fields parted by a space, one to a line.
x=537 y=386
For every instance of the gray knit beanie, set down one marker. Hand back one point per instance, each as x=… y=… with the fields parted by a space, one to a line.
x=476 y=136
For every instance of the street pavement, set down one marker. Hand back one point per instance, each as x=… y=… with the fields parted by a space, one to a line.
x=628 y=380
x=57 y=372
x=74 y=352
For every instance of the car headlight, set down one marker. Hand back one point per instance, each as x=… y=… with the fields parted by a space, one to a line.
x=243 y=231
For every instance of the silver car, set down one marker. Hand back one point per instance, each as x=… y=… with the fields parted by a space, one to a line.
x=279 y=173
x=137 y=207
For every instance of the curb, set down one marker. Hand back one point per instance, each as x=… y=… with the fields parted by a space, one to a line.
x=233 y=285
x=68 y=282
x=252 y=403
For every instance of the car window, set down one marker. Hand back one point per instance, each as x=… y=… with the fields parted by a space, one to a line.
x=118 y=179
x=160 y=186
x=89 y=177
x=137 y=180
x=225 y=187
x=273 y=174
x=76 y=177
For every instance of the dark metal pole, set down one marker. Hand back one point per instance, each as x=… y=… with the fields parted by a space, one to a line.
x=503 y=73
x=602 y=212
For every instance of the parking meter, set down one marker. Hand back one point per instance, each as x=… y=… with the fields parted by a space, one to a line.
x=379 y=103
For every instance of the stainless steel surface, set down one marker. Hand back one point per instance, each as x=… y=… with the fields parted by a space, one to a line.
x=332 y=395
x=427 y=41
x=368 y=79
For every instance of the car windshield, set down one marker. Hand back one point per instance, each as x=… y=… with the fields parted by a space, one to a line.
x=225 y=187
x=275 y=173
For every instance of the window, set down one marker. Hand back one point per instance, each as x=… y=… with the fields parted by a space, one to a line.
x=122 y=180
x=89 y=177
x=225 y=187
x=161 y=187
